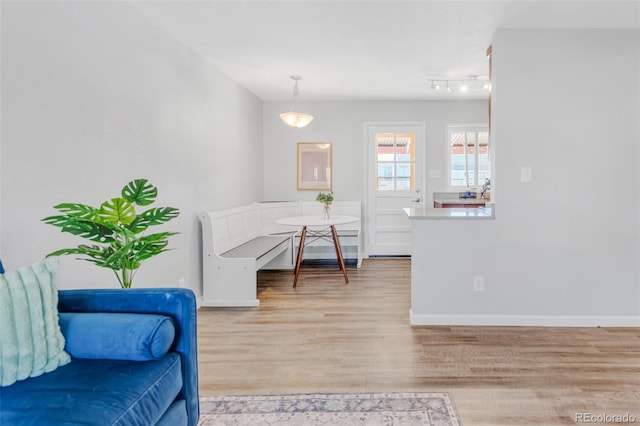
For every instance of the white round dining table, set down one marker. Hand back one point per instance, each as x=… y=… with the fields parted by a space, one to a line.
x=318 y=222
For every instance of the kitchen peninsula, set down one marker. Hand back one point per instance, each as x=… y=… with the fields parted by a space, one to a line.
x=451 y=253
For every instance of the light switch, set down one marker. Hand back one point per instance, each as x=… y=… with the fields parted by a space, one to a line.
x=525 y=174
x=434 y=173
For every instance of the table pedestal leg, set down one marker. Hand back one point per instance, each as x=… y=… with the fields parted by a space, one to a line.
x=299 y=260
x=336 y=243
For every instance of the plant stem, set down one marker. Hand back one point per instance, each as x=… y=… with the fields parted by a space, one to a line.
x=118 y=277
x=127 y=278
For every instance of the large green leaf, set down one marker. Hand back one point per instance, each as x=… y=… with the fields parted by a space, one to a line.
x=89 y=230
x=116 y=211
x=96 y=254
x=149 y=251
x=155 y=216
x=157 y=237
x=140 y=192
x=160 y=215
x=65 y=251
x=77 y=210
x=145 y=250
x=59 y=221
x=138 y=225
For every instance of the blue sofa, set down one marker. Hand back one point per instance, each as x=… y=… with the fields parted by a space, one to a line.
x=96 y=389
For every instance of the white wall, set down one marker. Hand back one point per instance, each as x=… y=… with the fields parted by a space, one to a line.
x=342 y=123
x=94 y=95
x=563 y=249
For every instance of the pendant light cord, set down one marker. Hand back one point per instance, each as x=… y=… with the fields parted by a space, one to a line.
x=296 y=93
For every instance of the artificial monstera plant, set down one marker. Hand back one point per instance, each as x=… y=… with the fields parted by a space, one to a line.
x=119 y=230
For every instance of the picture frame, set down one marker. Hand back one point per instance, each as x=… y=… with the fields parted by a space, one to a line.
x=314 y=166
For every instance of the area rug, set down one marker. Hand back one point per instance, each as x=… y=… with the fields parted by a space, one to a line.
x=371 y=409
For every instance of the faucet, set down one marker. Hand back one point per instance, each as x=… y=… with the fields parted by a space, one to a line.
x=485 y=187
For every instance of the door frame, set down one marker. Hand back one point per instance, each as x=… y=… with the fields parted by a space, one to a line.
x=368 y=191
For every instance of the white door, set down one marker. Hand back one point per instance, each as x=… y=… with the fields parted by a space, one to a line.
x=395 y=180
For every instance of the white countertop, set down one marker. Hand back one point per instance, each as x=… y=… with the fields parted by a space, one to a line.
x=461 y=213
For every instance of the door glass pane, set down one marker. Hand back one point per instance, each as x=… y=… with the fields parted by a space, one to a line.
x=404 y=147
x=384 y=147
x=385 y=177
x=385 y=184
x=385 y=169
x=403 y=184
x=403 y=170
x=395 y=158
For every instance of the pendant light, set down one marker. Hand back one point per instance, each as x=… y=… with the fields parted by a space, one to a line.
x=293 y=118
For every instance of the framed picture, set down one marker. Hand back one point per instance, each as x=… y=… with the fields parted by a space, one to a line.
x=314 y=165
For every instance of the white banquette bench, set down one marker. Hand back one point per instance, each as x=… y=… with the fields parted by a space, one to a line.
x=238 y=242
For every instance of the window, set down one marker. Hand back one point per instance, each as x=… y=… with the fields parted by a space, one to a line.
x=469 y=162
x=395 y=161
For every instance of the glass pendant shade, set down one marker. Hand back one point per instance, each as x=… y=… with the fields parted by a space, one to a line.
x=296 y=119
x=293 y=118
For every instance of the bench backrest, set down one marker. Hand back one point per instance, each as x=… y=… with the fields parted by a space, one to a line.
x=226 y=229
x=230 y=228
x=271 y=212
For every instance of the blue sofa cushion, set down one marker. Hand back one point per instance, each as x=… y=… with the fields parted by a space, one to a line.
x=177 y=303
x=95 y=392
x=123 y=336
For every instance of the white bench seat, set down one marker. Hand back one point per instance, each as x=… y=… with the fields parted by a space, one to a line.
x=263 y=249
x=240 y=241
x=233 y=251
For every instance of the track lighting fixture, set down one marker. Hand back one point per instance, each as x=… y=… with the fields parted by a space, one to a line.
x=469 y=84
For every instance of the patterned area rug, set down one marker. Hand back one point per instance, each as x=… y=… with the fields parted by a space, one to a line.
x=371 y=409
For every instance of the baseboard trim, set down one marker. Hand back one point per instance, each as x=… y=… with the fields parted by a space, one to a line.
x=231 y=303
x=525 y=320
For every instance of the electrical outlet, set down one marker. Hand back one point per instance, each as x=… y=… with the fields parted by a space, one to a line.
x=181 y=283
x=526 y=174
x=478 y=283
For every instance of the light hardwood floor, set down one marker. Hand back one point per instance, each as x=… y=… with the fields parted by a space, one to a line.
x=325 y=336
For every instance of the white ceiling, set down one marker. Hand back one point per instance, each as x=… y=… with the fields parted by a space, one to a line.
x=363 y=50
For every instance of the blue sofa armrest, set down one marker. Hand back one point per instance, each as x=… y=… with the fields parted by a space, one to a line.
x=179 y=304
